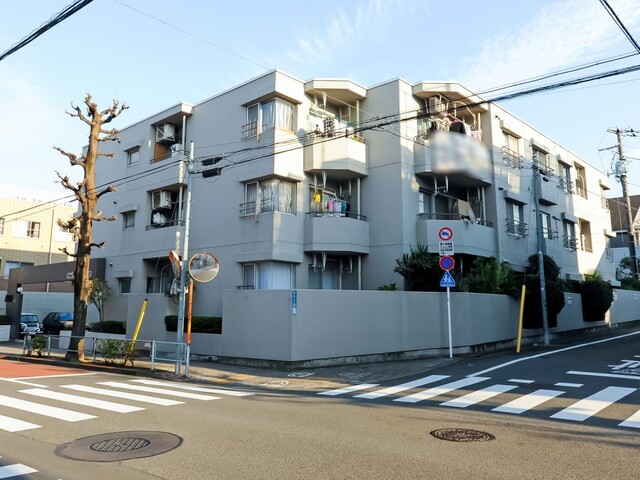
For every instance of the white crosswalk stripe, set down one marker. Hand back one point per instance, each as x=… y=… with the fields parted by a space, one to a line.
x=124 y=395
x=15 y=470
x=161 y=391
x=46 y=410
x=195 y=388
x=478 y=396
x=9 y=424
x=579 y=411
x=78 y=400
x=527 y=402
x=405 y=386
x=593 y=404
x=441 y=390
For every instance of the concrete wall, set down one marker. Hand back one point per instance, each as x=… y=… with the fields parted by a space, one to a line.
x=42 y=303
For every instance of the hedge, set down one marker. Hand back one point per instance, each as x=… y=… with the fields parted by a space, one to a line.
x=5 y=320
x=199 y=324
x=110 y=326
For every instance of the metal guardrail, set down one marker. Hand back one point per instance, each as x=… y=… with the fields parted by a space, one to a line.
x=142 y=350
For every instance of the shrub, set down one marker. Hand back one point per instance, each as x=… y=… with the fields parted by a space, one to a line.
x=110 y=326
x=38 y=344
x=419 y=269
x=555 y=288
x=5 y=320
x=116 y=351
x=389 y=287
x=597 y=297
x=489 y=276
x=199 y=324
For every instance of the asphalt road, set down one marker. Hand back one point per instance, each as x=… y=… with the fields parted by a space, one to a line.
x=555 y=413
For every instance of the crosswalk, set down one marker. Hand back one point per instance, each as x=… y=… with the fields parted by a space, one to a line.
x=112 y=396
x=527 y=398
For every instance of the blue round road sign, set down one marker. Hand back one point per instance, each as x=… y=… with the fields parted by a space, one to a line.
x=447 y=263
x=445 y=234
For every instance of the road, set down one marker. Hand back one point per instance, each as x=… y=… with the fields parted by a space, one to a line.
x=559 y=413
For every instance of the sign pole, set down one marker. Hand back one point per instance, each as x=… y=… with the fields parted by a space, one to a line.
x=449 y=321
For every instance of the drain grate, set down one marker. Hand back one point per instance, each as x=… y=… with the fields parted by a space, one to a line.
x=462 y=435
x=118 y=446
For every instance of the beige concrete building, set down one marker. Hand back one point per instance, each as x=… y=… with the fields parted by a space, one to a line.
x=29 y=233
x=323 y=184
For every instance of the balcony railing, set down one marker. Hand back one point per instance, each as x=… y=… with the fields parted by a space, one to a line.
x=581 y=190
x=336 y=215
x=249 y=130
x=452 y=216
x=570 y=243
x=511 y=158
x=549 y=234
x=604 y=203
x=168 y=223
x=516 y=227
x=565 y=184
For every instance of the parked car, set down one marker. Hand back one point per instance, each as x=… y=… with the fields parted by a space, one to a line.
x=54 y=322
x=29 y=324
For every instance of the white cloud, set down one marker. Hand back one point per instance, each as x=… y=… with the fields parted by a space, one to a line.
x=565 y=33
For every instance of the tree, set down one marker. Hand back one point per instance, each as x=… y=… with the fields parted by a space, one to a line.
x=87 y=195
x=419 y=269
x=555 y=288
x=597 y=297
x=487 y=275
x=99 y=294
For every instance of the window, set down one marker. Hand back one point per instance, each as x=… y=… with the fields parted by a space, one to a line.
x=273 y=195
x=585 y=236
x=265 y=116
x=9 y=265
x=569 y=235
x=544 y=162
x=268 y=276
x=564 y=177
x=133 y=156
x=581 y=182
x=511 y=142
x=515 y=225
x=63 y=234
x=424 y=202
x=547 y=231
x=26 y=229
x=128 y=219
x=1 y=226
x=511 y=150
x=125 y=285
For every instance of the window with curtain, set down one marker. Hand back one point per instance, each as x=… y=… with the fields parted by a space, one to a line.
x=268 y=275
x=265 y=116
x=273 y=195
x=26 y=229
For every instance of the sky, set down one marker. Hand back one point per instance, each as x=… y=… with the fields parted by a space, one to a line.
x=152 y=54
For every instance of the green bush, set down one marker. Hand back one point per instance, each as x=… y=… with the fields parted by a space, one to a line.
x=38 y=344
x=116 y=351
x=5 y=320
x=625 y=284
x=597 y=297
x=487 y=275
x=199 y=324
x=555 y=289
x=110 y=326
x=389 y=287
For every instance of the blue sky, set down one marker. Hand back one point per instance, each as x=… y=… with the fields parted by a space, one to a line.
x=152 y=54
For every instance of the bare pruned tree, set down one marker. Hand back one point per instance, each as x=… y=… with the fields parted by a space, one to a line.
x=87 y=195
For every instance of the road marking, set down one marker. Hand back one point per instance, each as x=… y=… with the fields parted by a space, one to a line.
x=442 y=389
x=162 y=391
x=570 y=385
x=608 y=375
x=506 y=364
x=527 y=402
x=126 y=395
x=520 y=380
x=46 y=410
x=633 y=421
x=195 y=388
x=593 y=404
x=15 y=470
x=9 y=424
x=349 y=389
x=78 y=400
x=402 y=387
x=478 y=396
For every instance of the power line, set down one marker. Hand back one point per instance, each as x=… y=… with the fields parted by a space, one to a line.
x=618 y=22
x=59 y=17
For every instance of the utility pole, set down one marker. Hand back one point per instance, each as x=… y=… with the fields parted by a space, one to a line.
x=627 y=201
x=537 y=187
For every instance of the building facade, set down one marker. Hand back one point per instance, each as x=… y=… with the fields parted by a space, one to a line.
x=323 y=184
x=30 y=234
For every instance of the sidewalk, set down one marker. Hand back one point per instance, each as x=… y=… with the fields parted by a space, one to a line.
x=233 y=375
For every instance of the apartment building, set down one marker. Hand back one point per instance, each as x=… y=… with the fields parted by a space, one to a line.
x=323 y=184
x=30 y=234
x=619 y=224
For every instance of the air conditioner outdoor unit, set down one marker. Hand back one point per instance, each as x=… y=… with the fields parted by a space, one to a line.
x=436 y=105
x=161 y=199
x=165 y=133
x=176 y=149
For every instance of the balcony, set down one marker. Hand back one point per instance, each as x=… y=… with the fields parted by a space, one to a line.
x=461 y=157
x=343 y=155
x=345 y=233
x=516 y=227
x=474 y=238
x=511 y=158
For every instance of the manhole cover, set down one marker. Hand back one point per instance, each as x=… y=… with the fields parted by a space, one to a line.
x=462 y=435
x=117 y=446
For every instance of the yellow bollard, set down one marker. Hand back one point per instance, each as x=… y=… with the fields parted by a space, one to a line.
x=524 y=289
